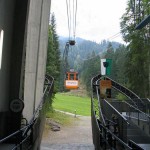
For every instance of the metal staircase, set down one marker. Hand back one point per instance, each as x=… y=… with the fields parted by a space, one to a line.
x=119 y=125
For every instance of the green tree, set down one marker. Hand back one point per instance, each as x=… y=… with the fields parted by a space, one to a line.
x=53 y=54
x=91 y=67
x=119 y=63
x=137 y=62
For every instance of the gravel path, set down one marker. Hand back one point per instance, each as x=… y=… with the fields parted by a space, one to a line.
x=77 y=136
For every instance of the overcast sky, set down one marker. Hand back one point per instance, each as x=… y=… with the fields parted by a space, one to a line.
x=96 y=19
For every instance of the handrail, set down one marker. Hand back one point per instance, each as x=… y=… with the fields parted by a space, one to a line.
x=24 y=130
x=131 y=95
x=94 y=81
x=137 y=109
x=117 y=111
x=148 y=99
x=13 y=134
x=100 y=107
x=135 y=145
x=112 y=134
x=118 y=139
x=16 y=146
x=103 y=130
x=141 y=116
x=35 y=115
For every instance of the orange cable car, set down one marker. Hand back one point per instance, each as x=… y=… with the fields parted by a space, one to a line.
x=71 y=81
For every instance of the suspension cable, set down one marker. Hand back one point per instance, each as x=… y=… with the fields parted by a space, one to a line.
x=71 y=15
x=75 y=20
x=68 y=16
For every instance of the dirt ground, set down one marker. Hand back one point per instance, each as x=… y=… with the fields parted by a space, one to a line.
x=77 y=136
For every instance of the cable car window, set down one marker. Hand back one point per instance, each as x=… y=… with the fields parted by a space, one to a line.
x=66 y=76
x=71 y=76
x=76 y=76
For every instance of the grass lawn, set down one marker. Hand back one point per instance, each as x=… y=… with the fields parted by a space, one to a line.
x=67 y=103
x=60 y=118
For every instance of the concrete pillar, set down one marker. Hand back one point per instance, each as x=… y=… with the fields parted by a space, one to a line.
x=42 y=57
x=36 y=47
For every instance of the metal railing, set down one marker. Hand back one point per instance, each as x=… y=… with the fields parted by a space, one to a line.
x=127 y=109
x=108 y=133
x=103 y=137
x=100 y=106
x=113 y=114
x=141 y=119
x=128 y=93
x=29 y=137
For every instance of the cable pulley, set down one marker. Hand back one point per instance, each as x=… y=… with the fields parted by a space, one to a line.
x=72 y=42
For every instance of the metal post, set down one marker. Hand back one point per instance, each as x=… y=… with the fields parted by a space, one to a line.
x=75 y=113
x=149 y=124
x=138 y=118
x=129 y=112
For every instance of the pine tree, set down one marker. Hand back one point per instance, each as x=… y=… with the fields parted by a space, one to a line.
x=91 y=67
x=137 y=63
x=53 y=56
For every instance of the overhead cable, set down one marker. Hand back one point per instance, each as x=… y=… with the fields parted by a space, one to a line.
x=68 y=17
x=75 y=22
x=71 y=16
x=114 y=36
